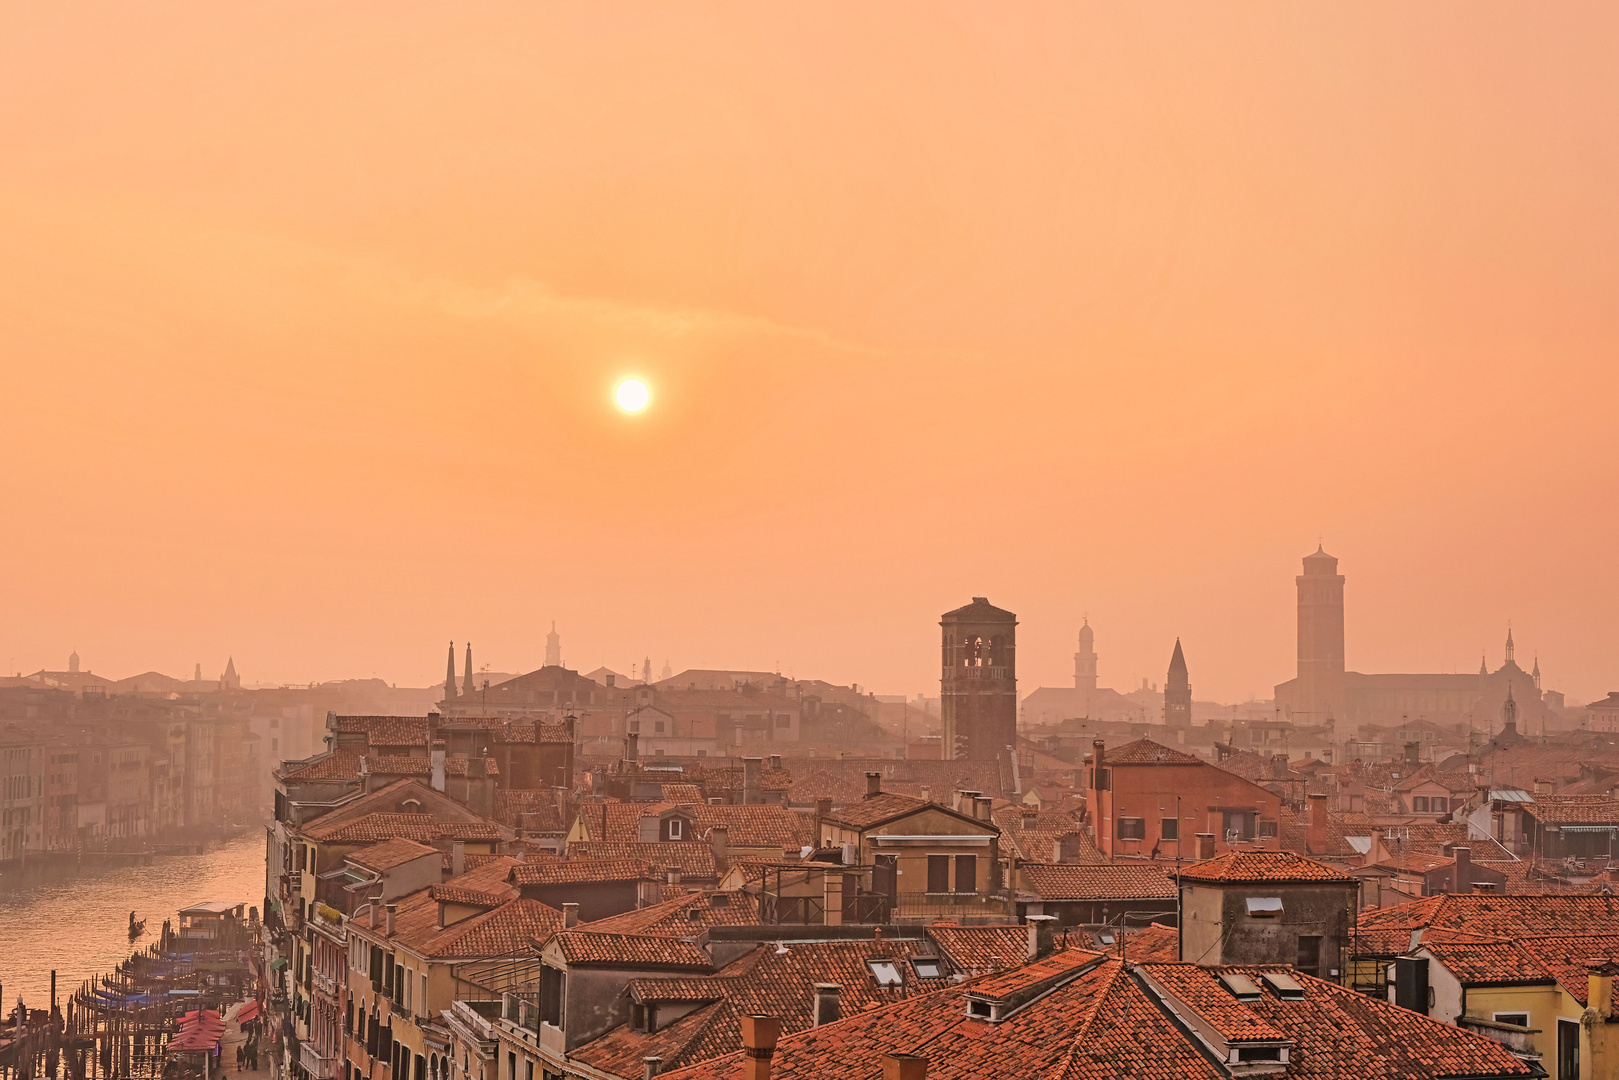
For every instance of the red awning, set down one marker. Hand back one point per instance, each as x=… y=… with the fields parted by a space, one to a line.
x=248 y=1011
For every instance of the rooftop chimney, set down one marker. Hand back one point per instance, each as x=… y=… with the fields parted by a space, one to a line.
x=1278 y=766
x=1464 y=872
x=874 y=784
x=651 y=1066
x=437 y=757
x=1042 y=939
x=392 y=913
x=775 y=761
x=719 y=838
x=752 y=781
x=1317 y=836
x=983 y=808
x=759 y=1035
x=458 y=858
x=828 y=1003
x=904 y=1067
x=1205 y=845
x=632 y=744
x=1599 y=987
x=927 y=794
x=570 y=915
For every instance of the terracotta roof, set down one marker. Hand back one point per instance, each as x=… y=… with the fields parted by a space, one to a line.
x=1116 y=881
x=766 y=826
x=571 y=871
x=1153 y=944
x=1147 y=752
x=332 y=765
x=423 y=828
x=766 y=981
x=389 y=854
x=591 y=947
x=510 y=929
x=463 y=894
x=385 y=730
x=979 y=949
x=1595 y=812
x=844 y=781
x=411 y=765
x=1387 y=932
x=875 y=809
x=689 y=793
x=1261 y=866
x=685 y=915
x=694 y=857
x=532 y=811
x=1107 y=1021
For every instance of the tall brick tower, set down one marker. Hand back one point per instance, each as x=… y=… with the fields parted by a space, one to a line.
x=1321 y=638
x=978 y=689
x=1085 y=659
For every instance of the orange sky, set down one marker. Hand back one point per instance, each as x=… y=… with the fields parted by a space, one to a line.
x=309 y=318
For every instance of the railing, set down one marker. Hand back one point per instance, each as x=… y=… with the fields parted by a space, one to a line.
x=318 y=1066
x=325 y=983
x=926 y=903
x=991 y=672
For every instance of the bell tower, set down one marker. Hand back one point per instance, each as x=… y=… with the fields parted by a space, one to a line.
x=1085 y=659
x=978 y=687
x=1321 y=638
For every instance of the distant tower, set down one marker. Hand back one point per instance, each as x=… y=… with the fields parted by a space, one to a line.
x=73 y=661
x=1535 y=674
x=553 y=647
x=466 y=684
x=1321 y=638
x=1511 y=649
x=198 y=676
x=1085 y=659
x=1483 y=667
x=230 y=680
x=1178 y=691
x=978 y=689
x=449 y=676
x=1509 y=714
x=668 y=672
x=646 y=671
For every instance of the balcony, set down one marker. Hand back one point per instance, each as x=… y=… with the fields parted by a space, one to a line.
x=317 y=1066
x=325 y=983
x=986 y=673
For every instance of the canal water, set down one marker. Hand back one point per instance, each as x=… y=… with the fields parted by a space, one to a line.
x=77 y=920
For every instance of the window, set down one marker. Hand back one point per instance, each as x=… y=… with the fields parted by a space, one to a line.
x=1309 y=955
x=1170 y=828
x=1568 y=1050
x=1267 y=828
x=926 y=967
x=658 y=727
x=966 y=873
x=1440 y=806
x=1419 y=804
x=938 y=873
x=1239 y=824
x=676 y=829
x=635 y=727
x=1132 y=828
x=886 y=972
x=551 y=989
x=1521 y=1019
x=784 y=720
x=1264 y=907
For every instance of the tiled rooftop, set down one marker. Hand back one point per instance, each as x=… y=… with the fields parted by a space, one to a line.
x=1277 y=866
x=389 y=854
x=1115 y=881
x=1147 y=752
x=695 y=858
x=590 y=946
x=575 y=870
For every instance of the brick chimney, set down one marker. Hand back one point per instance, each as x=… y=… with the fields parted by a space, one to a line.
x=570 y=915
x=392 y=912
x=1599 y=988
x=1042 y=936
x=1377 y=853
x=759 y=1035
x=983 y=808
x=1278 y=766
x=1098 y=762
x=719 y=838
x=1317 y=837
x=904 y=1067
x=874 y=784
x=753 y=791
x=828 y=1003
x=458 y=858
x=1464 y=871
x=651 y=1066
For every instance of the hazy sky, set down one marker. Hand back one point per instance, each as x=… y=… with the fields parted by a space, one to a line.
x=310 y=316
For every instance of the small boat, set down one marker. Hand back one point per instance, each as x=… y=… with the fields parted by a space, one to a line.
x=137 y=927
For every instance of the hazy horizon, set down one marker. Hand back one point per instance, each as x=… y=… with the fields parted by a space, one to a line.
x=310 y=320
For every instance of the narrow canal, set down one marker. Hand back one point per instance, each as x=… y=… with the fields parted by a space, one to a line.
x=77 y=921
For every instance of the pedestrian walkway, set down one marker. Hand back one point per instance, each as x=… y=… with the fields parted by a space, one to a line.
x=244 y=1026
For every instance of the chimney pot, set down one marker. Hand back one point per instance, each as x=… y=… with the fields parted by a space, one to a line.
x=1042 y=938
x=570 y=915
x=392 y=913
x=759 y=1035
x=458 y=858
x=874 y=784
x=775 y=761
x=904 y=1067
x=1464 y=869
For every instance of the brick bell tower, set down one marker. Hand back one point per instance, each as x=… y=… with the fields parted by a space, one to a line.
x=978 y=687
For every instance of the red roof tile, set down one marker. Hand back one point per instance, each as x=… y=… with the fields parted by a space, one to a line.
x=1258 y=866
x=574 y=870
x=591 y=947
x=1147 y=752
x=1114 y=881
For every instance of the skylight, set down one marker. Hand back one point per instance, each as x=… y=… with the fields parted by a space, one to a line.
x=1283 y=985
x=1241 y=986
x=886 y=972
x=926 y=967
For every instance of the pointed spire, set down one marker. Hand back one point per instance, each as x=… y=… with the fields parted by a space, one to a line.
x=1483 y=668
x=449 y=675
x=466 y=685
x=1177 y=662
x=1511 y=649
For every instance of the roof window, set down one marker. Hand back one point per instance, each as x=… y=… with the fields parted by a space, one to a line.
x=927 y=967
x=886 y=972
x=1264 y=907
x=1283 y=985
x=1241 y=986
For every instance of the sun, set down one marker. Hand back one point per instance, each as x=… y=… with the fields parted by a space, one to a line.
x=632 y=395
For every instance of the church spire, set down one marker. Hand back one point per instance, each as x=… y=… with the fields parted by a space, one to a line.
x=1483 y=668
x=1535 y=674
x=449 y=675
x=1511 y=649
x=466 y=685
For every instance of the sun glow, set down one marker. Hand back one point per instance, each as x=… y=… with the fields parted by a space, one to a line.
x=632 y=395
